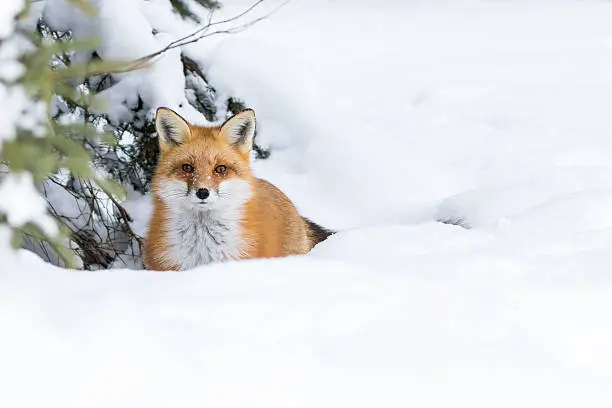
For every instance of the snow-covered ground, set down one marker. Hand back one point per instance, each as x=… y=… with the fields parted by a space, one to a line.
x=385 y=117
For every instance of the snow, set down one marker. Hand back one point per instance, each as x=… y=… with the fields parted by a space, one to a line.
x=8 y=10
x=383 y=119
x=12 y=99
x=22 y=203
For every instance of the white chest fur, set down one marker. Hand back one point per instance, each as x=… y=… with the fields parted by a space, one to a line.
x=198 y=238
x=200 y=232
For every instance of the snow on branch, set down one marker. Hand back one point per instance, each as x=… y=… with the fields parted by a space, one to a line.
x=201 y=33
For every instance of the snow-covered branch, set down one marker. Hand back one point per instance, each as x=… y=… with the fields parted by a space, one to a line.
x=201 y=33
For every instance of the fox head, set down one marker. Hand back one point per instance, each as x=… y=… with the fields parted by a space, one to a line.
x=204 y=168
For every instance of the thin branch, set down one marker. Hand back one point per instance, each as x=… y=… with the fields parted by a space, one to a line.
x=211 y=24
x=201 y=33
x=197 y=36
x=126 y=219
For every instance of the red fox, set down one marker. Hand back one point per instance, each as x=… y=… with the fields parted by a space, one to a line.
x=208 y=206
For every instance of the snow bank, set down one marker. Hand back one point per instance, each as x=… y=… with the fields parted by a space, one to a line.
x=433 y=316
x=411 y=107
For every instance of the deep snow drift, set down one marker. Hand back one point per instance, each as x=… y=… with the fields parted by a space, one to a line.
x=385 y=118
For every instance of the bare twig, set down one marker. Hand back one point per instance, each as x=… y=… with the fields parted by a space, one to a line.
x=207 y=26
x=198 y=35
x=92 y=247
x=126 y=219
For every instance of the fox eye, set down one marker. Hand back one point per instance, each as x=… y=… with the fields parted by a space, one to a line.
x=187 y=168
x=220 y=169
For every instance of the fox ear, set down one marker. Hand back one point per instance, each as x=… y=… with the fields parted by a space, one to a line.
x=171 y=128
x=239 y=130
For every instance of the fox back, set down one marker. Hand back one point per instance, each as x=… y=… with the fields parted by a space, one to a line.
x=208 y=206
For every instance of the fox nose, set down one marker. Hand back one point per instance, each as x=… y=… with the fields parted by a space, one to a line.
x=202 y=193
